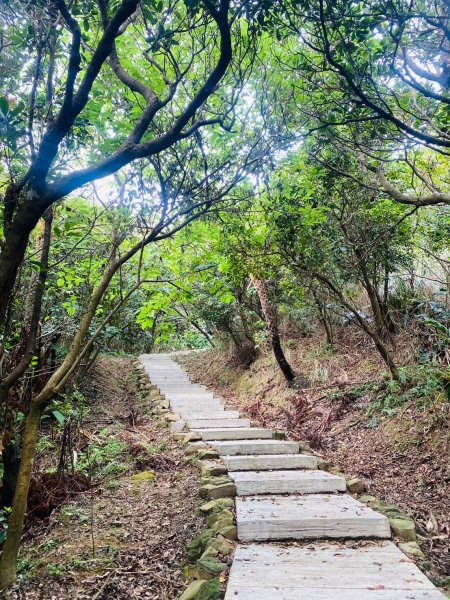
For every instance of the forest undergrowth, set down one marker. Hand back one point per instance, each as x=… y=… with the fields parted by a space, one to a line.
x=395 y=436
x=118 y=525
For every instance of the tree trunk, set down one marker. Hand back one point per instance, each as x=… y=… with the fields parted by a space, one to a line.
x=17 y=233
x=376 y=338
x=11 y=464
x=16 y=519
x=59 y=378
x=11 y=454
x=324 y=319
x=270 y=316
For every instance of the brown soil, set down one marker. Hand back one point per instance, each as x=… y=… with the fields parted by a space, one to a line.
x=402 y=458
x=122 y=538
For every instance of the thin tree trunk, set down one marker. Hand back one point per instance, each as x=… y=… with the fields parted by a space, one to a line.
x=16 y=520
x=376 y=338
x=59 y=378
x=10 y=453
x=271 y=319
x=194 y=324
x=323 y=318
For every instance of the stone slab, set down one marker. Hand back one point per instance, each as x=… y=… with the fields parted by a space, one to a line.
x=197 y=403
x=262 y=518
x=211 y=414
x=324 y=571
x=241 y=433
x=187 y=407
x=217 y=423
x=249 y=483
x=268 y=462
x=233 y=448
x=187 y=395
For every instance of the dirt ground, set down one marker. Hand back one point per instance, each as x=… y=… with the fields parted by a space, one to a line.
x=124 y=537
x=403 y=457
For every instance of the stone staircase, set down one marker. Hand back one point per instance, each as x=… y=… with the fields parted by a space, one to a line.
x=339 y=548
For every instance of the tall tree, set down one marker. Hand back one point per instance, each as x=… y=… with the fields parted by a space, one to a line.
x=145 y=73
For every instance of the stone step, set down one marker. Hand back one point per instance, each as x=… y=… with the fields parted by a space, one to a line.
x=327 y=571
x=211 y=414
x=171 y=387
x=232 y=448
x=168 y=377
x=242 y=433
x=191 y=405
x=161 y=381
x=249 y=483
x=263 y=518
x=188 y=396
x=268 y=462
x=216 y=423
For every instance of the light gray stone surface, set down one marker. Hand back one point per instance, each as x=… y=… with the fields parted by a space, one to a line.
x=217 y=423
x=241 y=433
x=326 y=571
x=232 y=448
x=211 y=414
x=250 y=483
x=313 y=516
x=268 y=462
x=313 y=510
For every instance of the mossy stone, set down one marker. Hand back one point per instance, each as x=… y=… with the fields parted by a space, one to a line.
x=196 y=547
x=226 y=490
x=222 y=545
x=222 y=523
x=192 y=436
x=369 y=500
x=218 y=515
x=143 y=476
x=215 y=480
x=210 y=551
x=392 y=511
x=162 y=404
x=355 y=485
x=229 y=533
x=404 y=529
x=172 y=417
x=336 y=471
x=216 y=505
x=192 y=449
x=412 y=549
x=211 y=565
x=207 y=453
x=211 y=469
x=210 y=591
x=323 y=464
x=193 y=589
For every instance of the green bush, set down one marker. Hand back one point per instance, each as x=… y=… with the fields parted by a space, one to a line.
x=420 y=385
x=105 y=459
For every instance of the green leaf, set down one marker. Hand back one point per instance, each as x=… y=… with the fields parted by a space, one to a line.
x=4 y=105
x=58 y=416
